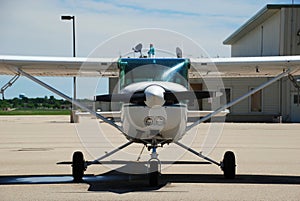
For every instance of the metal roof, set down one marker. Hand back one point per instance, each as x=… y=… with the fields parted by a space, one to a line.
x=261 y=16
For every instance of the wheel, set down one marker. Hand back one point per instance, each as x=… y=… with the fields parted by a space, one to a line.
x=228 y=165
x=78 y=166
x=153 y=173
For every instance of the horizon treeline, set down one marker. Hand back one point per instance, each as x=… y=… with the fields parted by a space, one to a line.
x=34 y=103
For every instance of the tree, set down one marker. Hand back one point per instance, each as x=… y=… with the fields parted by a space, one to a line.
x=35 y=103
x=4 y=104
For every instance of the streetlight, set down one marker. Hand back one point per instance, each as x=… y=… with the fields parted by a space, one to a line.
x=69 y=17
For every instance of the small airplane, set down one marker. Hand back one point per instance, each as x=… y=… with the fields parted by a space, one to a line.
x=154 y=93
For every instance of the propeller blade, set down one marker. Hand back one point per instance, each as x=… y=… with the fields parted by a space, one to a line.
x=126 y=98
x=139 y=97
x=190 y=95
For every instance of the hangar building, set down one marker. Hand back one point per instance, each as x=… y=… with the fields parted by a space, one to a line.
x=273 y=31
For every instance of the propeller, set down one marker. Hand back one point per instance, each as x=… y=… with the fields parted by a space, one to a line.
x=169 y=96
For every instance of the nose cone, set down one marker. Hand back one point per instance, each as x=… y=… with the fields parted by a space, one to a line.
x=154 y=96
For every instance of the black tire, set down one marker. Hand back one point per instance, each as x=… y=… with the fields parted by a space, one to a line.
x=153 y=173
x=78 y=166
x=228 y=165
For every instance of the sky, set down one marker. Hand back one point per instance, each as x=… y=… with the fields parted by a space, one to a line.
x=34 y=28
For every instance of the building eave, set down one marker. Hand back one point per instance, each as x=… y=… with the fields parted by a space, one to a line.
x=262 y=15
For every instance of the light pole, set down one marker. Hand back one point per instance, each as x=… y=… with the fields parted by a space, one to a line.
x=69 y=17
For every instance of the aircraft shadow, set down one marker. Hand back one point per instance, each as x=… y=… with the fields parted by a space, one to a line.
x=135 y=183
x=120 y=183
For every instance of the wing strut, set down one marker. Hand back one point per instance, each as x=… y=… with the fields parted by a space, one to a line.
x=220 y=109
x=9 y=84
x=73 y=101
x=197 y=153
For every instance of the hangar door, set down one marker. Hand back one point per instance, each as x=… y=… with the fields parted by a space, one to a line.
x=295 y=108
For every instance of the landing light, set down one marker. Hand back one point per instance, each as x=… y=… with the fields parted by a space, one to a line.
x=160 y=121
x=148 y=121
x=157 y=121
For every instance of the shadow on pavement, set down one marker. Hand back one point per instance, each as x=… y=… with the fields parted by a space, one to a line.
x=117 y=182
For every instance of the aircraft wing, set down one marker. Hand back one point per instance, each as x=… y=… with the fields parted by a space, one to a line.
x=107 y=67
x=244 y=66
x=59 y=66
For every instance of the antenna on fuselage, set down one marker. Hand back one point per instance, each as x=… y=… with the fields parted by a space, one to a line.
x=138 y=48
x=178 y=52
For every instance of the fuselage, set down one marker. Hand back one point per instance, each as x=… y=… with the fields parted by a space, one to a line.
x=154 y=117
x=162 y=122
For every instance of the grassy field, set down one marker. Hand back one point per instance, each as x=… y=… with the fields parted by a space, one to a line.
x=36 y=112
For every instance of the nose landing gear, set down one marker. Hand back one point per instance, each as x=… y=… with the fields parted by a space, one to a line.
x=154 y=167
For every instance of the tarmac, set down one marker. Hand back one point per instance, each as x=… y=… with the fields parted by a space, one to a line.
x=268 y=163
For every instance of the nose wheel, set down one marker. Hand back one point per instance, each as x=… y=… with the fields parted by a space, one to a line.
x=153 y=173
x=154 y=168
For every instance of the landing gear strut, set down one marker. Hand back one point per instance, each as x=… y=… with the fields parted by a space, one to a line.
x=227 y=165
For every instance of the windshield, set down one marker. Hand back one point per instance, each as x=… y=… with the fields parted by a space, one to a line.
x=140 y=70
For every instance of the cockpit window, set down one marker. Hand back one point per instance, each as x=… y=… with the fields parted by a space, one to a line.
x=141 y=70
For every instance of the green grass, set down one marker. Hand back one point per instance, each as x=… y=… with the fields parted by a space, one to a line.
x=36 y=112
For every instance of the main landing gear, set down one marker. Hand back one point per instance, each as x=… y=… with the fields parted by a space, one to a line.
x=79 y=165
x=228 y=165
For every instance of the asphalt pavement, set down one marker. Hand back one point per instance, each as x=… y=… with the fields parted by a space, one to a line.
x=268 y=162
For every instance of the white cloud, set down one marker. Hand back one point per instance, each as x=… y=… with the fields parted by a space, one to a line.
x=34 y=27
x=30 y=27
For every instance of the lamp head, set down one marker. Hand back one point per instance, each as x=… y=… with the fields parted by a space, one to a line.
x=67 y=17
